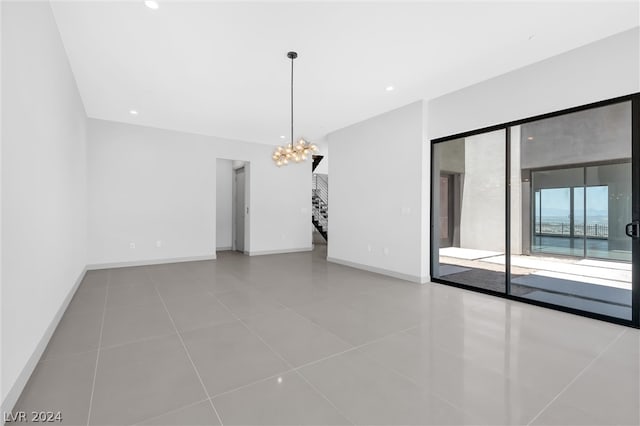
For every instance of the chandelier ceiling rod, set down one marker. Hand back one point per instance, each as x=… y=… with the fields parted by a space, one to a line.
x=292 y=56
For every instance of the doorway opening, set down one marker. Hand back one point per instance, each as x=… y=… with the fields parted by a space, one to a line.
x=232 y=205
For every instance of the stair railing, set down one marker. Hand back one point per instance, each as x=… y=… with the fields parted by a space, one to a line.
x=320 y=203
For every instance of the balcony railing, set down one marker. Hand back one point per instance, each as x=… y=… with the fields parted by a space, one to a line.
x=593 y=230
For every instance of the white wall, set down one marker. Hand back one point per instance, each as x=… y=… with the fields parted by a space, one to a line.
x=375 y=193
x=148 y=185
x=602 y=70
x=224 y=204
x=43 y=187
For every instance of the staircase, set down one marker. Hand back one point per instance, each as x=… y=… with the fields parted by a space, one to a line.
x=316 y=160
x=319 y=203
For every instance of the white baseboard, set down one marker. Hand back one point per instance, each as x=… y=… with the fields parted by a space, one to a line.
x=382 y=271
x=16 y=390
x=264 y=252
x=95 y=266
x=224 y=248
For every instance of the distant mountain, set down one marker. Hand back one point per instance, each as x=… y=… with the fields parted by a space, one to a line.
x=565 y=212
x=596 y=212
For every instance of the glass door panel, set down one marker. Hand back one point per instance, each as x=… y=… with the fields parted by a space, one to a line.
x=472 y=173
x=575 y=195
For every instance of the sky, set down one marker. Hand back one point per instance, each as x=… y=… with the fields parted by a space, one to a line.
x=556 y=201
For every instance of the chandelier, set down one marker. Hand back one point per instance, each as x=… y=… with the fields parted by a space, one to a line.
x=293 y=152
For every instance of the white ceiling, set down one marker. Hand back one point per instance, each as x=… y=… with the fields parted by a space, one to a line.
x=219 y=68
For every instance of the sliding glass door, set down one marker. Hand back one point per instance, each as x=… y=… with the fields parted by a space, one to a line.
x=578 y=166
x=544 y=210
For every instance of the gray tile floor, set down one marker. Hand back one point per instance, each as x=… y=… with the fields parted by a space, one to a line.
x=292 y=339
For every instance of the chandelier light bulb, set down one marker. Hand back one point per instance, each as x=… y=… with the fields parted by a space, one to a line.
x=297 y=152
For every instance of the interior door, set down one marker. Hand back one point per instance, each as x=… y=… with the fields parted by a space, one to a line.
x=240 y=210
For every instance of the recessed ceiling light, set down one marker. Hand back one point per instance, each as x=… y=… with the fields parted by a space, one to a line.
x=282 y=136
x=389 y=88
x=151 y=4
x=530 y=138
x=133 y=112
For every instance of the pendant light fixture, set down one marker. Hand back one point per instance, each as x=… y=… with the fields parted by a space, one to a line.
x=293 y=152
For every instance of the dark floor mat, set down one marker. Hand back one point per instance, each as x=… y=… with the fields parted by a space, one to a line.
x=489 y=280
x=602 y=293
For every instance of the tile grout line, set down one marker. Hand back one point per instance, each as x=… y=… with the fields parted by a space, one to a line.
x=291 y=367
x=193 y=404
x=233 y=314
x=184 y=346
x=393 y=370
x=319 y=326
x=410 y=379
x=326 y=398
x=142 y=339
x=577 y=376
x=95 y=371
x=352 y=348
x=295 y=369
x=264 y=379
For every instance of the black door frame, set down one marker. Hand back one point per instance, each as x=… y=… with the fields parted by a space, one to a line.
x=635 y=202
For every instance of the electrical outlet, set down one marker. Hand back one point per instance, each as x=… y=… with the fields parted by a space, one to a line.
x=132 y=245
x=369 y=248
x=386 y=251
x=159 y=243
